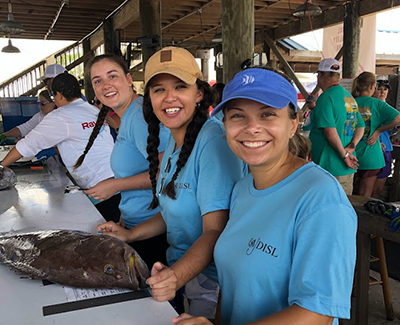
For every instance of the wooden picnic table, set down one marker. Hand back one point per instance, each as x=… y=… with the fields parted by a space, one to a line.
x=368 y=224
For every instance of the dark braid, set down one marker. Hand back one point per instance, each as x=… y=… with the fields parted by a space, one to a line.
x=153 y=141
x=99 y=123
x=193 y=129
x=105 y=109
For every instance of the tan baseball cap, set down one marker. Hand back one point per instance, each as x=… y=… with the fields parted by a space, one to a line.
x=175 y=61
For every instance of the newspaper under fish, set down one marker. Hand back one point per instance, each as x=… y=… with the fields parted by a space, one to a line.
x=7 y=178
x=74 y=258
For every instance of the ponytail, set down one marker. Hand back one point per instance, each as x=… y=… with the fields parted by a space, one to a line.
x=299 y=145
x=362 y=83
x=99 y=123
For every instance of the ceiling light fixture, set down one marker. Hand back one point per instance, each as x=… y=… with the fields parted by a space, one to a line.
x=11 y=27
x=10 y=48
x=217 y=38
x=307 y=8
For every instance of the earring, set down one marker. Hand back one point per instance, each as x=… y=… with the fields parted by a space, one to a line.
x=292 y=135
x=197 y=105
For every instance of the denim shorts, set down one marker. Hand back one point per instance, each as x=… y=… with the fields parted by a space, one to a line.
x=202 y=293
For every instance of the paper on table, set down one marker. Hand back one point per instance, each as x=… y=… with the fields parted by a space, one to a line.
x=75 y=294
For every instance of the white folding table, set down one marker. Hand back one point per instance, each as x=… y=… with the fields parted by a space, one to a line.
x=38 y=202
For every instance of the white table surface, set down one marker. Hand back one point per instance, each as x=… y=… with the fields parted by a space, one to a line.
x=38 y=202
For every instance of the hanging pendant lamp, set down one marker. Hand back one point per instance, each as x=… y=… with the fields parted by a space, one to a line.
x=10 y=48
x=11 y=27
x=307 y=8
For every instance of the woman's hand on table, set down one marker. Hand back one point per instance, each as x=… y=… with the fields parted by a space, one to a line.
x=163 y=282
x=186 y=319
x=112 y=229
x=103 y=190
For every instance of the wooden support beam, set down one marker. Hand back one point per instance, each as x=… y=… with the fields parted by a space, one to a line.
x=97 y=39
x=108 y=36
x=150 y=28
x=128 y=14
x=137 y=76
x=88 y=54
x=112 y=37
x=237 y=35
x=351 y=40
x=288 y=68
x=362 y=279
x=197 y=10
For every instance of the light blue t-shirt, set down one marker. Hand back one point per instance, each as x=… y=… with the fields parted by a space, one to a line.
x=129 y=158
x=292 y=243
x=384 y=137
x=203 y=185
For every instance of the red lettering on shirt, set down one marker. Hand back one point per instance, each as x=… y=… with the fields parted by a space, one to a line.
x=88 y=125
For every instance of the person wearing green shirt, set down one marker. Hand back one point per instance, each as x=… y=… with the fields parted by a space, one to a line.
x=378 y=117
x=336 y=126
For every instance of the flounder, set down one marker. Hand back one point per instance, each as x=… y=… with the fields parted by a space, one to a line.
x=74 y=258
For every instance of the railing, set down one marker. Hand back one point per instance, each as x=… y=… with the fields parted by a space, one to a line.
x=24 y=81
x=28 y=83
x=68 y=56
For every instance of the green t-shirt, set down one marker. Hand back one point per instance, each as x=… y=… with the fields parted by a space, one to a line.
x=335 y=108
x=375 y=113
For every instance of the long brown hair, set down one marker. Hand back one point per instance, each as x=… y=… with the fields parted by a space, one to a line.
x=153 y=140
x=362 y=83
x=105 y=109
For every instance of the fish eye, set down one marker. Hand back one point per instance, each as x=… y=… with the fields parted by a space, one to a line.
x=109 y=269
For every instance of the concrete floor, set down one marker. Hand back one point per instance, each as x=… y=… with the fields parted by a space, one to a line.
x=376 y=311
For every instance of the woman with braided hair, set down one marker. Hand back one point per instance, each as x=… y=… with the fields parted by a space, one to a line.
x=197 y=174
x=112 y=85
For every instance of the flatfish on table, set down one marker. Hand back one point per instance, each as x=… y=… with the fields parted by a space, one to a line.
x=74 y=258
x=7 y=178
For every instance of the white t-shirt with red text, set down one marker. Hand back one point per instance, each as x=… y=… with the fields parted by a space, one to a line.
x=69 y=128
x=26 y=127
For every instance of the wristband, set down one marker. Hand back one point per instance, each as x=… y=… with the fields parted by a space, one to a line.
x=346 y=155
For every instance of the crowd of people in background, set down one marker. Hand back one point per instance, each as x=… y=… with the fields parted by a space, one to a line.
x=236 y=203
x=350 y=132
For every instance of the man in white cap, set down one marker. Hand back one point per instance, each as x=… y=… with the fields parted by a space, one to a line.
x=336 y=126
x=51 y=71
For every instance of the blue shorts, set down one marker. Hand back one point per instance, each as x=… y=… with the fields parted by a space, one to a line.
x=387 y=169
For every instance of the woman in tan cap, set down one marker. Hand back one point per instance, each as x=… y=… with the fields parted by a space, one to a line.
x=197 y=174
